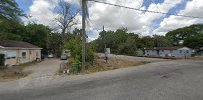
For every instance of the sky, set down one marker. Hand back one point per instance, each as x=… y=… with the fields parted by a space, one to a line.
x=144 y=23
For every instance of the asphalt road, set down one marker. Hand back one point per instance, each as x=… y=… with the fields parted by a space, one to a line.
x=167 y=80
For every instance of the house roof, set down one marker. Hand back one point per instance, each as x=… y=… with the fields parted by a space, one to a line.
x=164 y=48
x=16 y=44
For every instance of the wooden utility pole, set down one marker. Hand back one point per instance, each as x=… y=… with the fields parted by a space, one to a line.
x=83 y=33
x=105 y=51
x=104 y=38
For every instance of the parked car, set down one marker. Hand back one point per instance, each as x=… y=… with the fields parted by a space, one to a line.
x=64 y=57
x=50 y=55
x=67 y=53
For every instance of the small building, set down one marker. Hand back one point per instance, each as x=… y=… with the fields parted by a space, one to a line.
x=176 y=52
x=19 y=52
x=199 y=52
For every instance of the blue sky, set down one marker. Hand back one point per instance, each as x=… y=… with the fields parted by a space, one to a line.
x=144 y=23
x=24 y=4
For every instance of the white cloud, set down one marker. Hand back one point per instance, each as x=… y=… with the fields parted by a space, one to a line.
x=77 y=2
x=193 y=8
x=42 y=11
x=136 y=21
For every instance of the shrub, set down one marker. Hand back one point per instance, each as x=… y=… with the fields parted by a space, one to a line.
x=75 y=46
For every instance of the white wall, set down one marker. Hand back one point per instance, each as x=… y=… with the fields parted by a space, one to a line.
x=164 y=53
x=184 y=52
x=179 y=53
x=151 y=52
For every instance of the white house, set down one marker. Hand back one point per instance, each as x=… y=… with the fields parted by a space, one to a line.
x=19 y=52
x=177 y=52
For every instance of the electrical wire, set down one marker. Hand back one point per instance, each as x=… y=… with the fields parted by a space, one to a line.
x=145 y=10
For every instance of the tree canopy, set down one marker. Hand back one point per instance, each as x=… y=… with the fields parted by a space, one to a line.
x=9 y=10
x=190 y=36
x=123 y=42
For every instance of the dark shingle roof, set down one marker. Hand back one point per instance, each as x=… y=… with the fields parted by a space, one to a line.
x=163 y=48
x=19 y=44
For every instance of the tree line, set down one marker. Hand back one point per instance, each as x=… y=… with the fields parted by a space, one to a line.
x=123 y=42
x=120 y=41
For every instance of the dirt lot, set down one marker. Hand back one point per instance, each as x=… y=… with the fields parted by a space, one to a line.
x=29 y=71
x=197 y=58
x=15 y=72
x=100 y=64
x=34 y=75
x=11 y=74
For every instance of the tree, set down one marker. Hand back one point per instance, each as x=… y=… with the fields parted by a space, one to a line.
x=128 y=48
x=120 y=41
x=161 y=41
x=9 y=36
x=181 y=34
x=77 y=33
x=66 y=18
x=10 y=26
x=9 y=10
x=75 y=46
x=12 y=30
x=54 y=44
x=37 y=34
x=146 y=42
x=194 y=42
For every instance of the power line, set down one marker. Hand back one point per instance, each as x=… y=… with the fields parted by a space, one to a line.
x=93 y=26
x=145 y=10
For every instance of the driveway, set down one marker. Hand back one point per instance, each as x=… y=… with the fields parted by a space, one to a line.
x=44 y=73
x=166 y=80
x=41 y=74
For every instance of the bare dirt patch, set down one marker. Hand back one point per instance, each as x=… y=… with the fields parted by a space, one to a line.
x=100 y=64
x=197 y=58
x=12 y=74
x=15 y=72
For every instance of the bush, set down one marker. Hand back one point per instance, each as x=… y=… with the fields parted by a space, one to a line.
x=75 y=47
x=2 y=59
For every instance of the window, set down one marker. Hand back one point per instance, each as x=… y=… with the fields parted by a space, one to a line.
x=171 y=51
x=187 y=51
x=180 y=51
x=24 y=54
x=10 y=54
x=30 y=52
